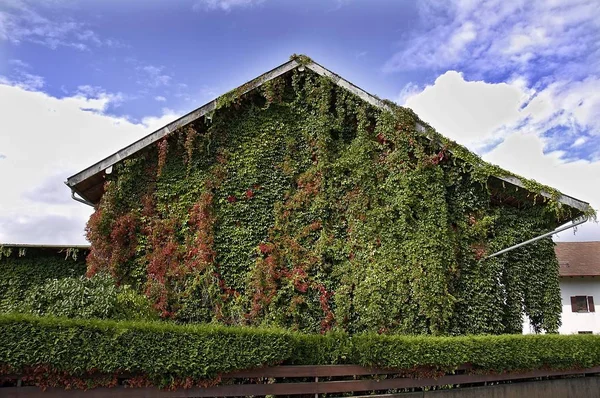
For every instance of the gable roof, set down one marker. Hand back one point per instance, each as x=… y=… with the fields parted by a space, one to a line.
x=578 y=258
x=88 y=184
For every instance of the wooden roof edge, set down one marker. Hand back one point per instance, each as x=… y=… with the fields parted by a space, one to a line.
x=564 y=199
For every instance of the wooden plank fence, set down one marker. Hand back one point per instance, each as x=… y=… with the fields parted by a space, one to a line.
x=302 y=380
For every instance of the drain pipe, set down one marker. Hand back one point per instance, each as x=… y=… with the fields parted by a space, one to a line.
x=81 y=200
x=574 y=223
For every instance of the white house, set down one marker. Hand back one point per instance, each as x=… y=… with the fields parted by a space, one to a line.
x=579 y=287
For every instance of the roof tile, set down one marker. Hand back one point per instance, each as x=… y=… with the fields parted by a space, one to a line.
x=578 y=258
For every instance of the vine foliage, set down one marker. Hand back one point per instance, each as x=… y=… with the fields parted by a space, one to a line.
x=299 y=205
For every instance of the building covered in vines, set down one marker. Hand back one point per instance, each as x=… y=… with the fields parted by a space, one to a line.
x=301 y=201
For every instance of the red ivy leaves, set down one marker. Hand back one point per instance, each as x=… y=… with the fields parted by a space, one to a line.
x=108 y=253
x=249 y=194
x=479 y=249
x=292 y=246
x=381 y=139
x=201 y=255
x=265 y=248
x=324 y=298
x=45 y=376
x=161 y=257
x=190 y=136
x=163 y=149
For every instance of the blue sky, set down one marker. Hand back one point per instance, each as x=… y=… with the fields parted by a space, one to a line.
x=189 y=51
x=517 y=81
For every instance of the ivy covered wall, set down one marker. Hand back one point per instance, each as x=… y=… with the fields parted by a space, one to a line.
x=23 y=269
x=300 y=205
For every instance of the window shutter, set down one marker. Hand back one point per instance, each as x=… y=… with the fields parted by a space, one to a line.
x=573 y=304
x=591 y=307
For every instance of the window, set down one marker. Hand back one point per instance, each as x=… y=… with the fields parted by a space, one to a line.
x=582 y=304
x=585 y=332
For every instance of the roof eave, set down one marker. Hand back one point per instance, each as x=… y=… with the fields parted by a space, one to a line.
x=570 y=201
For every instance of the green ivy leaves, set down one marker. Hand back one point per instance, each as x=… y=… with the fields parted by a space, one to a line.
x=370 y=224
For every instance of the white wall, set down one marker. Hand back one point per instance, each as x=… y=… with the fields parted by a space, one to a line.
x=573 y=322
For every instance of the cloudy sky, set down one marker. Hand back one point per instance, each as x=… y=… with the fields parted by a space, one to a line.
x=517 y=81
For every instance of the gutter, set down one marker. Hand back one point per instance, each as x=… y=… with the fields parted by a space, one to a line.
x=80 y=199
x=572 y=224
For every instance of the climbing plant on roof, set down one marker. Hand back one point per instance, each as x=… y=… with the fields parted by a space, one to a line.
x=299 y=205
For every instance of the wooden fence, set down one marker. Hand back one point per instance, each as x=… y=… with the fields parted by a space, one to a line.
x=304 y=380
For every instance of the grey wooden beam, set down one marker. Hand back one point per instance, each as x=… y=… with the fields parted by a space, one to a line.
x=564 y=199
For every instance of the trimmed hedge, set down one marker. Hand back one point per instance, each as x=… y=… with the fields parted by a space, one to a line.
x=150 y=348
x=165 y=352
x=489 y=353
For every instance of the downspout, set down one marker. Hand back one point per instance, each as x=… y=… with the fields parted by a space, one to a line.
x=572 y=224
x=81 y=200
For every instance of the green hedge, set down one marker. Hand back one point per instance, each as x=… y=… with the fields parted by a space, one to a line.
x=156 y=349
x=23 y=269
x=165 y=352
x=81 y=297
x=491 y=353
x=51 y=281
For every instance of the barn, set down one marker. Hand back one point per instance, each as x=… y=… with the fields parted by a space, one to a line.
x=299 y=200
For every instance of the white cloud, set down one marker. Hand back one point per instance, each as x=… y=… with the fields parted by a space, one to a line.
x=579 y=102
x=523 y=153
x=65 y=136
x=471 y=113
x=409 y=90
x=579 y=141
x=160 y=98
x=50 y=191
x=20 y=76
x=459 y=40
x=489 y=36
x=43 y=229
x=548 y=48
x=153 y=76
x=476 y=113
x=224 y=5
x=24 y=80
x=100 y=97
x=519 y=42
x=17 y=63
x=42 y=23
